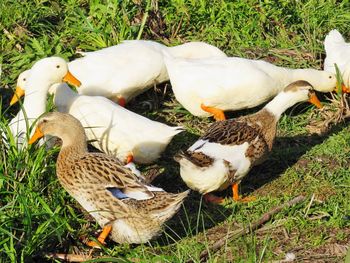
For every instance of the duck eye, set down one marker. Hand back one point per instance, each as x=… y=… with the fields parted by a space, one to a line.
x=24 y=79
x=58 y=66
x=44 y=121
x=330 y=77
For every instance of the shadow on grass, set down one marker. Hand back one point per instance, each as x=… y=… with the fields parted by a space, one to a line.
x=285 y=153
x=195 y=216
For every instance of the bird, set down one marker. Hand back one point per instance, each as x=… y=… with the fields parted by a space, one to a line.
x=224 y=155
x=44 y=74
x=338 y=52
x=131 y=211
x=19 y=91
x=209 y=86
x=123 y=71
x=110 y=127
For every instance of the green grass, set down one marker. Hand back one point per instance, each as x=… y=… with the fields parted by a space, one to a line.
x=38 y=217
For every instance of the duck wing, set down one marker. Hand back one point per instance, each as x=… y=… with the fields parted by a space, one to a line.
x=231 y=140
x=231 y=132
x=109 y=173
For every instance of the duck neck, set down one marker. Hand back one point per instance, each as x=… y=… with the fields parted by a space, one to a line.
x=64 y=96
x=310 y=75
x=265 y=122
x=288 y=75
x=73 y=145
x=34 y=104
x=280 y=104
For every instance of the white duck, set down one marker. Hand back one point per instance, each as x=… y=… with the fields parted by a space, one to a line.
x=112 y=128
x=230 y=148
x=210 y=86
x=44 y=74
x=338 y=52
x=123 y=71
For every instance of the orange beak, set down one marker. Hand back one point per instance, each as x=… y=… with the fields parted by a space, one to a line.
x=18 y=94
x=71 y=79
x=345 y=89
x=315 y=101
x=36 y=136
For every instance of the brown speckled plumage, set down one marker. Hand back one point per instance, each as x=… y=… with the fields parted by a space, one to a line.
x=228 y=150
x=92 y=179
x=197 y=158
x=258 y=130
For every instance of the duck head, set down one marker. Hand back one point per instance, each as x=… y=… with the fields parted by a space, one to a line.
x=61 y=125
x=44 y=73
x=322 y=81
x=298 y=91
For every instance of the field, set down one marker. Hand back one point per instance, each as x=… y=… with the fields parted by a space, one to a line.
x=37 y=217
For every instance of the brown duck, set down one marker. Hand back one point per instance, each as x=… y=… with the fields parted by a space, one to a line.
x=131 y=211
x=230 y=148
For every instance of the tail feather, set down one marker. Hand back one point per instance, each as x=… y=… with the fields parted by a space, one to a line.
x=174 y=202
x=198 y=159
x=170 y=133
x=178 y=129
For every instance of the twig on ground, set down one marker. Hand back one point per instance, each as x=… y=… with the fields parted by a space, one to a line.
x=69 y=257
x=11 y=37
x=309 y=205
x=269 y=227
x=144 y=20
x=174 y=33
x=237 y=233
x=318 y=257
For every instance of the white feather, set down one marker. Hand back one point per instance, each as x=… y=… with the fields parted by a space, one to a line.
x=233 y=83
x=204 y=180
x=234 y=154
x=337 y=52
x=131 y=67
x=214 y=177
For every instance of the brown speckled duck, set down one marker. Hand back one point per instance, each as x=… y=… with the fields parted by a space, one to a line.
x=132 y=211
x=230 y=148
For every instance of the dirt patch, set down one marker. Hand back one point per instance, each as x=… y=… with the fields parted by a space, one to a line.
x=283 y=244
x=300 y=244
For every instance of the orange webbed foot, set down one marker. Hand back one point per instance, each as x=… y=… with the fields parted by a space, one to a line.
x=218 y=114
x=237 y=198
x=101 y=238
x=94 y=244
